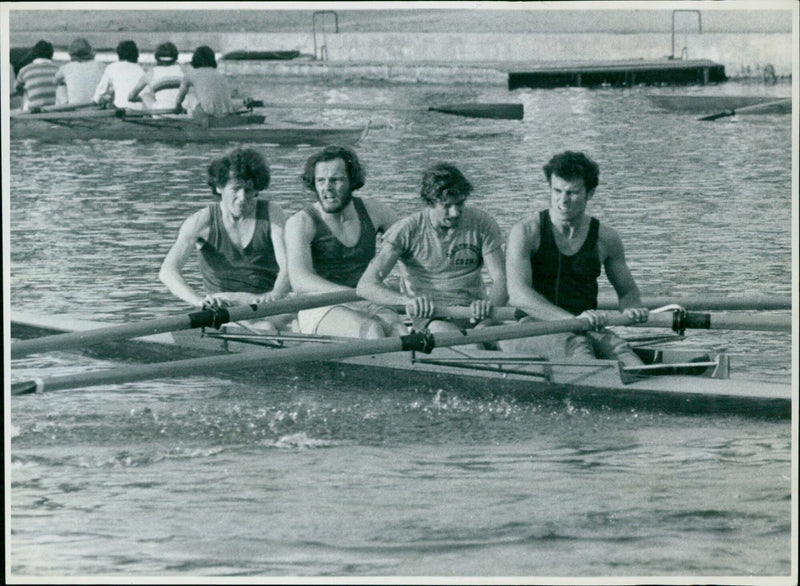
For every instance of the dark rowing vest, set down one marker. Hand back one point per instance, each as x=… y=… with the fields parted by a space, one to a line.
x=570 y=282
x=333 y=260
x=227 y=267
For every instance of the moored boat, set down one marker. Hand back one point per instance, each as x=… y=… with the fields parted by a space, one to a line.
x=677 y=378
x=697 y=104
x=110 y=124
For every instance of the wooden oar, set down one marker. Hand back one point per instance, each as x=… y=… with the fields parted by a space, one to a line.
x=496 y=111
x=688 y=320
x=197 y=319
x=419 y=342
x=708 y=321
x=711 y=303
x=69 y=107
x=766 y=106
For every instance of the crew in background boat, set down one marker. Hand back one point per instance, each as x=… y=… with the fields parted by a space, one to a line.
x=330 y=243
x=238 y=240
x=161 y=82
x=553 y=261
x=120 y=78
x=81 y=75
x=205 y=88
x=442 y=250
x=37 y=80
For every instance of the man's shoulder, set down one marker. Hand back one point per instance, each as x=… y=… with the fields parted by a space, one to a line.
x=479 y=215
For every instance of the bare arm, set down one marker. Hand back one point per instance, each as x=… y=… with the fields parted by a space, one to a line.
x=104 y=90
x=182 y=91
x=496 y=265
x=282 y=286
x=183 y=248
x=133 y=96
x=382 y=216
x=619 y=275
x=523 y=241
x=371 y=286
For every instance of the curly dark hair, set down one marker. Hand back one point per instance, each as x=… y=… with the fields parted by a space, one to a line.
x=246 y=165
x=355 y=172
x=571 y=165
x=204 y=57
x=166 y=54
x=442 y=182
x=128 y=51
x=42 y=49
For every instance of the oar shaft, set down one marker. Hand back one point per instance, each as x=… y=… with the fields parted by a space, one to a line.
x=215 y=364
x=707 y=321
x=198 y=319
x=497 y=111
x=752 y=302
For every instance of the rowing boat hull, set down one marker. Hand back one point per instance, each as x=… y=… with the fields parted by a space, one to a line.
x=170 y=131
x=709 y=104
x=597 y=384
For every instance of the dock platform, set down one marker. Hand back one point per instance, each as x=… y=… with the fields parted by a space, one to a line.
x=618 y=73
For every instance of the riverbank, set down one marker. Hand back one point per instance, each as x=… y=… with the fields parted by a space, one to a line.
x=486 y=43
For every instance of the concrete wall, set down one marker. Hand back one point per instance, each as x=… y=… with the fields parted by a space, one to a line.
x=739 y=53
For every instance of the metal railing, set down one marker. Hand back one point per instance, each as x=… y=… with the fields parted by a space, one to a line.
x=684 y=52
x=321 y=53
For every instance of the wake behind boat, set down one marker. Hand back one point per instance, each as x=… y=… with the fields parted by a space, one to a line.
x=677 y=376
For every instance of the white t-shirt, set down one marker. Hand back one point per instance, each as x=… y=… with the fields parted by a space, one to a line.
x=118 y=79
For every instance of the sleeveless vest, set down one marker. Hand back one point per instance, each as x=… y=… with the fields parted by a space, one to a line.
x=333 y=260
x=570 y=282
x=227 y=267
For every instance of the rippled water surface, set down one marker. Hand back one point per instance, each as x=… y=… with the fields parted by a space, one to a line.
x=213 y=477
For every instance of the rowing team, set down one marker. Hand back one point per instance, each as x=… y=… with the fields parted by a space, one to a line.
x=200 y=89
x=250 y=252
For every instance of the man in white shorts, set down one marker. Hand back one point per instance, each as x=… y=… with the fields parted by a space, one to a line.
x=330 y=243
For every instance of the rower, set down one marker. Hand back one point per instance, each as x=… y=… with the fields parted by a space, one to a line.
x=161 y=82
x=81 y=75
x=442 y=250
x=209 y=95
x=238 y=241
x=37 y=79
x=330 y=243
x=120 y=78
x=554 y=258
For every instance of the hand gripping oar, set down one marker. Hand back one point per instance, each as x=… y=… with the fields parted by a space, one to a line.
x=419 y=342
x=496 y=111
x=212 y=318
x=777 y=105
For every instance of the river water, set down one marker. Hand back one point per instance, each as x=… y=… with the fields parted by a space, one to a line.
x=209 y=477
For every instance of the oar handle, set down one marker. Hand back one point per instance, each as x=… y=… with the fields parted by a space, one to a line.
x=751 y=108
x=197 y=319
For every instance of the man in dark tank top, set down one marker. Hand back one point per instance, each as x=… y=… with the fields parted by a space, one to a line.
x=238 y=240
x=330 y=243
x=553 y=261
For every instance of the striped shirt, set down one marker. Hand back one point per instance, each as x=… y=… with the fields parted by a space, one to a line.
x=37 y=81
